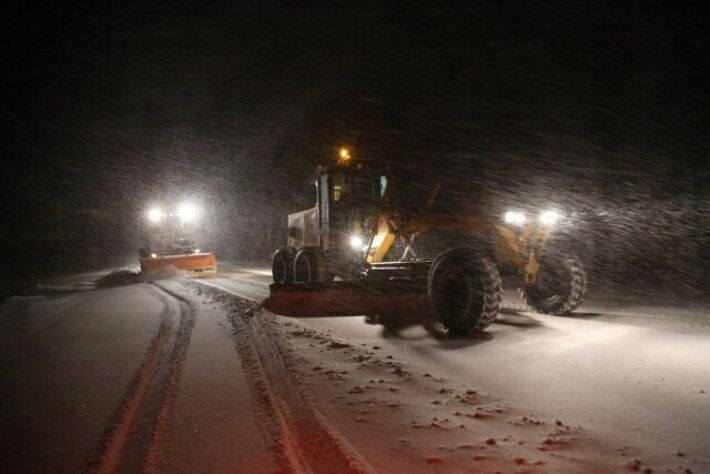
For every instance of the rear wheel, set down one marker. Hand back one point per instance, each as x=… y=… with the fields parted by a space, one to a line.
x=311 y=266
x=559 y=288
x=282 y=265
x=464 y=290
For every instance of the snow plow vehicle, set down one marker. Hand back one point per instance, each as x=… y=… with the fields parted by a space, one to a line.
x=338 y=257
x=169 y=242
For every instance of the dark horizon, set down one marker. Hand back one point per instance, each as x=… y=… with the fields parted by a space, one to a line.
x=601 y=106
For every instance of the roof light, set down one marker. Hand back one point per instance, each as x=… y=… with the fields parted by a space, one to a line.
x=344 y=154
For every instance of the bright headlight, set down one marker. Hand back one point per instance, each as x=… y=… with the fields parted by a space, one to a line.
x=549 y=217
x=357 y=242
x=515 y=218
x=155 y=215
x=187 y=212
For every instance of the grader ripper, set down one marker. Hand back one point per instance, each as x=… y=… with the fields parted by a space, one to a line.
x=338 y=257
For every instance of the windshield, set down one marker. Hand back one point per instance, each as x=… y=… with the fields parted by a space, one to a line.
x=364 y=189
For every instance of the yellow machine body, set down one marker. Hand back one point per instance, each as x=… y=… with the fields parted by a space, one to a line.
x=518 y=247
x=514 y=247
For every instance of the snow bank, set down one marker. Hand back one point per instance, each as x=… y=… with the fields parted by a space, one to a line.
x=161 y=273
x=118 y=278
x=125 y=276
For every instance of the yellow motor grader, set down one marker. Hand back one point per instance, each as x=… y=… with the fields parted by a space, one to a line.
x=339 y=256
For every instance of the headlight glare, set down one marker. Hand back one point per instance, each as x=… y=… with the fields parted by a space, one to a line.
x=155 y=215
x=549 y=217
x=187 y=212
x=515 y=218
x=357 y=242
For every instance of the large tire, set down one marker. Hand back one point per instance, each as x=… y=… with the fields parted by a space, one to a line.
x=464 y=290
x=560 y=286
x=310 y=266
x=282 y=265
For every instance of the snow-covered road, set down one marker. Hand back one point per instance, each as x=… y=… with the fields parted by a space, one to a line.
x=66 y=363
x=637 y=376
x=193 y=376
x=124 y=379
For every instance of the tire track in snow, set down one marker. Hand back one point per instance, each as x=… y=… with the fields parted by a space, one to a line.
x=157 y=443
x=135 y=437
x=302 y=438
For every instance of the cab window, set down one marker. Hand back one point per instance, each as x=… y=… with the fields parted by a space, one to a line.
x=340 y=188
x=360 y=189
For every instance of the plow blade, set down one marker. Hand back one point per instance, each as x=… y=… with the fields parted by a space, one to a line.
x=197 y=264
x=343 y=298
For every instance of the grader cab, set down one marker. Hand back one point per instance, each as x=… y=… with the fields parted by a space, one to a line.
x=340 y=256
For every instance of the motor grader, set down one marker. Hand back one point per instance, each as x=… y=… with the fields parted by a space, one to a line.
x=340 y=255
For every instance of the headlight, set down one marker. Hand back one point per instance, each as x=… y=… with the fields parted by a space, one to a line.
x=357 y=242
x=155 y=215
x=549 y=217
x=153 y=255
x=187 y=212
x=515 y=218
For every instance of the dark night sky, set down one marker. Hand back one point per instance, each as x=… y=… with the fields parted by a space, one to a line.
x=107 y=108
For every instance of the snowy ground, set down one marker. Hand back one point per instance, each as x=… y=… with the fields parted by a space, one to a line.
x=192 y=375
x=122 y=378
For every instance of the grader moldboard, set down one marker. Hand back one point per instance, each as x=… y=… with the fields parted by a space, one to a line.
x=337 y=260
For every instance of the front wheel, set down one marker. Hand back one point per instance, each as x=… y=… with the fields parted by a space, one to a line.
x=464 y=290
x=559 y=288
